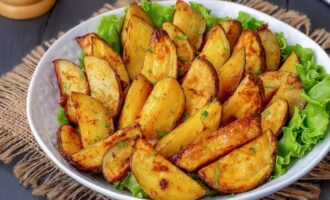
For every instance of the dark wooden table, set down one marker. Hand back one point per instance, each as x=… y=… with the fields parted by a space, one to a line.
x=18 y=37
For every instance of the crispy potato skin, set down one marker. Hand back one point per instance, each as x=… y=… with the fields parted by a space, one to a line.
x=200 y=85
x=255 y=53
x=136 y=97
x=85 y=42
x=249 y=96
x=190 y=130
x=104 y=84
x=290 y=64
x=70 y=78
x=190 y=22
x=233 y=29
x=161 y=60
x=90 y=158
x=271 y=46
x=159 y=178
x=136 y=45
x=163 y=108
x=68 y=141
x=219 y=143
x=244 y=168
x=231 y=74
x=275 y=116
x=183 y=48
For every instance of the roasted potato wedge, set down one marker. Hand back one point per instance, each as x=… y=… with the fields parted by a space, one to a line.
x=233 y=29
x=244 y=168
x=68 y=140
x=136 y=45
x=161 y=59
x=217 y=47
x=183 y=48
x=85 y=43
x=275 y=116
x=271 y=47
x=231 y=74
x=200 y=85
x=90 y=158
x=70 y=78
x=190 y=22
x=247 y=99
x=201 y=123
x=290 y=64
x=135 y=99
x=254 y=51
x=163 y=108
x=159 y=178
x=115 y=164
x=104 y=83
x=221 y=142
x=94 y=120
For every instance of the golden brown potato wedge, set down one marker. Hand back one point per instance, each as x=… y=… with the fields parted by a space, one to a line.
x=247 y=99
x=200 y=85
x=159 y=178
x=183 y=48
x=244 y=168
x=161 y=59
x=136 y=45
x=135 y=99
x=221 y=142
x=70 y=78
x=271 y=46
x=255 y=54
x=85 y=43
x=217 y=47
x=94 y=120
x=68 y=140
x=104 y=83
x=275 y=116
x=201 y=123
x=190 y=22
x=115 y=164
x=164 y=107
x=290 y=64
x=233 y=29
x=90 y=158
x=231 y=74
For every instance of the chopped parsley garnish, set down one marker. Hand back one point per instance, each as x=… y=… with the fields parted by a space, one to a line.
x=67 y=86
x=253 y=149
x=161 y=134
x=231 y=195
x=186 y=116
x=61 y=118
x=149 y=50
x=107 y=124
x=204 y=114
x=258 y=72
x=217 y=175
x=182 y=37
x=154 y=153
x=121 y=144
x=266 y=113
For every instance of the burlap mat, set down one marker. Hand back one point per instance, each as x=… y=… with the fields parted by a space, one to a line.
x=33 y=169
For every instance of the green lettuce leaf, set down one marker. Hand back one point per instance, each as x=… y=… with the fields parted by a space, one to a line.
x=248 y=22
x=130 y=183
x=61 y=117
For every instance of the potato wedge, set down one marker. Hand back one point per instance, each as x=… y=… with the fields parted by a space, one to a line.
x=183 y=48
x=275 y=116
x=85 y=43
x=136 y=45
x=104 y=83
x=233 y=29
x=161 y=59
x=159 y=178
x=135 y=99
x=203 y=122
x=231 y=74
x=200 y=85
x=290 y=64
x=255 y=53
x=244 y=168
x=247 y=99
x=68 y=141
x=94 y=120
x=164 y=107
x=115 y=164
x=217 y=47
x=190 y=22
x=70 y=78
x=221 y=142
x=90 y=158
x=271 y=47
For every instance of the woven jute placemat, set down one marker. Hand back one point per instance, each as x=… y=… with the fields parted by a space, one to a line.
x=33 y=168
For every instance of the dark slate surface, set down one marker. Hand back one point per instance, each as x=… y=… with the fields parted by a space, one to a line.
x=18 y=37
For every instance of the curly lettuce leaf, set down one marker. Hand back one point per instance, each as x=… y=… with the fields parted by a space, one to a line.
x=61 y=117
x=248 y=22
x=130 y=183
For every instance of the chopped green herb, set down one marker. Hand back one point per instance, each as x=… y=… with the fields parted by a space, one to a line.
x=186 y=116
x=231 y=195
x=121 y=144
x=155 y=97
x=182 y=37
x=81 y=61
x=226 y=50
x=62 y=72
x=269 y=87
x=149 y=50
x=82 y=74
x=253 y=149
x=266 y=113
x=107 y=124
x=61 y=118
x=130 y=183
x=153 y=83
x=67 y=86
x=217 y=176
x=258 y=72
x=204 y=114
x=149 y=71
x=161 y=134
x=154 y=153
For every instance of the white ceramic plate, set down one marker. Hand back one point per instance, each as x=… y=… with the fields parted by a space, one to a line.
x=43 y=98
